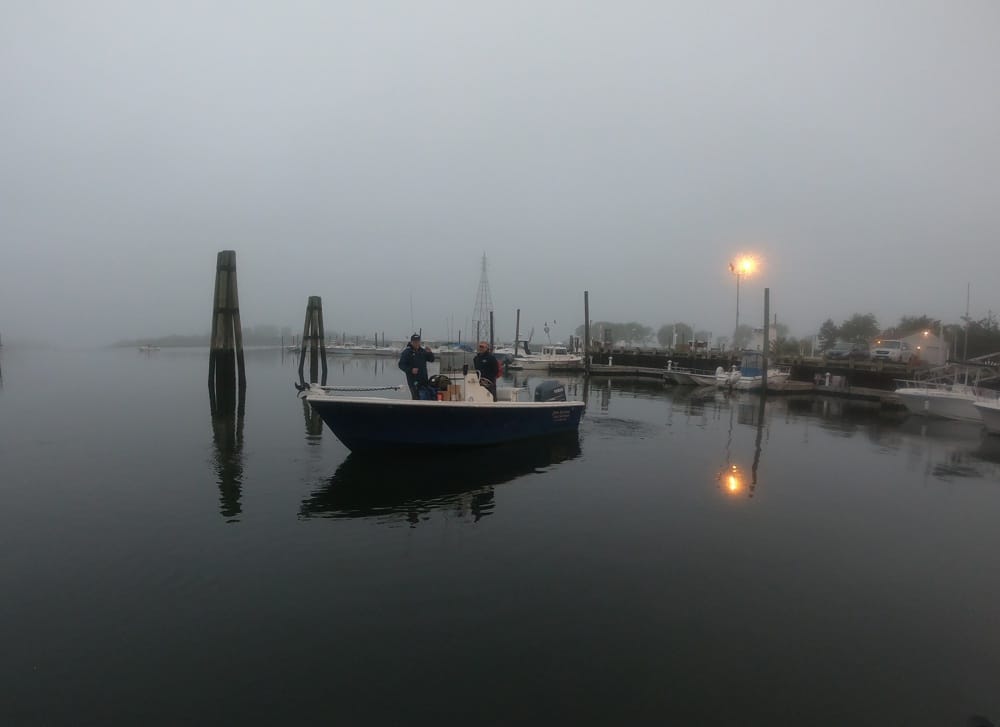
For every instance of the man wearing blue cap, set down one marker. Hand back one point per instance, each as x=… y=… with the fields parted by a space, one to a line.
x=413 y=362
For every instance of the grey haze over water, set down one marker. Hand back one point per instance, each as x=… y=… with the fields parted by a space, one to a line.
x=371 y=152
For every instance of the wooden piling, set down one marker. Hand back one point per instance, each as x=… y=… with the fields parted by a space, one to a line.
x=586 y=331
x=767 y=339
x=225 y=358
x=314 y=340
x=517 y=331
x=491 y=330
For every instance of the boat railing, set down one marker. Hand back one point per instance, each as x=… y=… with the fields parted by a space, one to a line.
x=923 y=384
x=951 y=387
x=965 y=373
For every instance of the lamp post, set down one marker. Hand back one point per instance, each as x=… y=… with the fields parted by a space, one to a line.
x=743 y=265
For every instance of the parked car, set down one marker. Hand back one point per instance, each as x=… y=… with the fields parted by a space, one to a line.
x=892 y=350
x=845 y=350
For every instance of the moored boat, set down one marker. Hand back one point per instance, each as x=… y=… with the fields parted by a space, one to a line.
x=989 y=411
x=750 y=375
x=952 y=394
x=464 y=415
x=719 y=377
x=551 y=355
x=776 y=381
x=948 y=401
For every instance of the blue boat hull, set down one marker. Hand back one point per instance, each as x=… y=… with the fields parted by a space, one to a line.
x=380 y=424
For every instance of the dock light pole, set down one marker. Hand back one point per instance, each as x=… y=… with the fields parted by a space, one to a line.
x=741 y=266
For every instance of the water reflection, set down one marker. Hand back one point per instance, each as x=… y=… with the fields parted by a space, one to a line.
x=943 y=449
x=373 y=366
x=733 y=478
x=227 y=410
x=407 y=487
x=955 y=450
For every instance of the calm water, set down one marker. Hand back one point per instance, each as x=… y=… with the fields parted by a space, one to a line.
x=161 y=566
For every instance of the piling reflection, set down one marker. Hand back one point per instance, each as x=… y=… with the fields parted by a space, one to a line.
x=733 y=479
x=402 y=487
x=227 y=408
x=372 y=366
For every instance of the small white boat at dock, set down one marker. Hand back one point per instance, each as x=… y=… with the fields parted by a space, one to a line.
x=551 y=356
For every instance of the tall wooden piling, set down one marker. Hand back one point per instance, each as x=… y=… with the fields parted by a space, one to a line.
x=313 y=340
x=767 y=340
x=517 y=331
x=225 y=358
x=586 y=331
x=491 y=330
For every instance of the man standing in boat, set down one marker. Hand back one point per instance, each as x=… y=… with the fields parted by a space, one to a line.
x=488 y=367
x=413 y=362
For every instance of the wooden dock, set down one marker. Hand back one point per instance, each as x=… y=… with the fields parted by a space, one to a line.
x=616 y=370
x=837 y=388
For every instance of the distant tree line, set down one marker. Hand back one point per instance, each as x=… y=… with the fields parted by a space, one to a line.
x=968 y=339
x=983 y=335
x=261 y=335
x=631 y=333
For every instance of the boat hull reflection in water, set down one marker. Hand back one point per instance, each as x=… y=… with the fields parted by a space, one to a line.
x=400 y=484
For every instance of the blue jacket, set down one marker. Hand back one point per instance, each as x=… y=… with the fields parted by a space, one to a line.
x=410 y=359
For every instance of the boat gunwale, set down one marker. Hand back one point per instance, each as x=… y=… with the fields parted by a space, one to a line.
x=384 y=401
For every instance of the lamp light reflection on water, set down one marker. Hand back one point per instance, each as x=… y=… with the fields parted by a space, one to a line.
x=732 y=479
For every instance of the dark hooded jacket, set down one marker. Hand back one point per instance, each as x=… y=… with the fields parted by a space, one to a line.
x=410 y=359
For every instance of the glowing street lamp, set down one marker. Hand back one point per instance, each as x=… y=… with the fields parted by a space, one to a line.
x=740 y=267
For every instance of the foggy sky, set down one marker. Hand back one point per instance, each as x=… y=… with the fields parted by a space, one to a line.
x=370 y=152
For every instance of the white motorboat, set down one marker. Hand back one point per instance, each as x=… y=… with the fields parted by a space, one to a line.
x=989 y=411
x=948 y=395
x=948 y=401
x=504 y=354
x=748 y=377
x=719 y=378
x=551 y=355
x=776 y=381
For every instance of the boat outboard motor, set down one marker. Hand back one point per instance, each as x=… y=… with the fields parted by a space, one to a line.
x=550 y=391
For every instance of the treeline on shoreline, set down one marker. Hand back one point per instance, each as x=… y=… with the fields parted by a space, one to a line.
x=252 y=336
